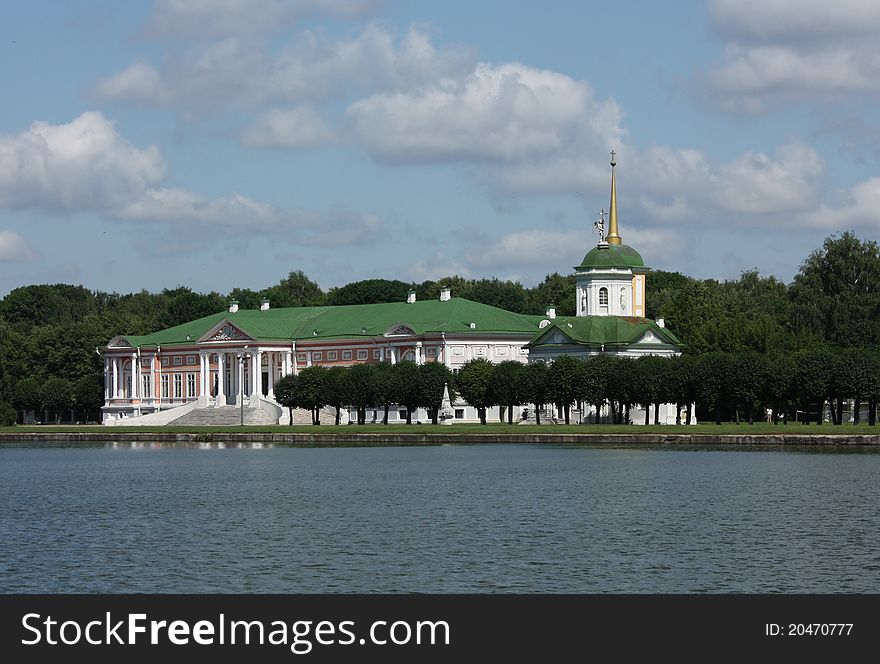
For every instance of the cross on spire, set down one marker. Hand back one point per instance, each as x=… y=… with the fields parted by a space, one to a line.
x=613 y=162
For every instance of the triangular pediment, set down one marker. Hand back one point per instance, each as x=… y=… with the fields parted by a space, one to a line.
x=553 y=336
x=399 y=330
x=225 y=331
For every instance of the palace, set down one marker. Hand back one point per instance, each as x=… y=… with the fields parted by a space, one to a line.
x=210 y=370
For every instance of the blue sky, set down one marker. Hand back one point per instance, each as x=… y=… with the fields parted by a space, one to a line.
x=225 y=143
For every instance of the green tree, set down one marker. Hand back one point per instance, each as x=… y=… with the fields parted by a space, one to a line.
x=336 y=389
x=563 y=383
x=780 y=385
x=387 y=387
x=647 y=383
x=410 y=394
x=369 y=291
x=812 y=381
x=7 y=414
x=508 y=386
x=474 y=384
x=56 y=396
x=27 y=396
x=295 y=290
x=433 y=378
x=310 y=392
x=554 y=289
x=747 y=377
x=710 y=371
x=362 y=388
x=536 y=386
x=88 y=395
x=286 y=393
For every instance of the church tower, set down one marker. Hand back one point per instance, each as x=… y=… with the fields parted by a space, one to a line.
x=610 y=281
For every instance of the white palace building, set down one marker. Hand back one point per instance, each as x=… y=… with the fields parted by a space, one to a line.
x=205 y=371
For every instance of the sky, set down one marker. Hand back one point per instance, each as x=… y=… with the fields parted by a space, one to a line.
x=225 y=143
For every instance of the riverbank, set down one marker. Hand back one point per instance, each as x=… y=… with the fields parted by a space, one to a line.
x=377 y=435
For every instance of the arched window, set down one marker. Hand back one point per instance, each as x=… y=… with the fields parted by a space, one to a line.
x=603 y=297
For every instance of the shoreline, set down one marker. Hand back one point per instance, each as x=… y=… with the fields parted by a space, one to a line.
x=377 y=439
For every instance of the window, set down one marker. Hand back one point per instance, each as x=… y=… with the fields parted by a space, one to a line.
x=317 y=355
x=178 y=386
x=401 y=414
x=300 y=357
x=376 y=354
x=362 y=355
x=331 y=354
x=603 y=297
x=430 y=352
x=165 y=361
x=165 y=386
x=190 y=385
x=147 y=391
x=190 y=359
x=346 y=355
x=459 y=413
x=178 y=360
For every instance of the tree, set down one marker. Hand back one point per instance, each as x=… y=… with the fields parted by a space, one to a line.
x=536 y=389
x=474 y=384
x=27 y=397
x=295 y=290
x=369 y=291
x=7 y=414
x=286 y=393
x=780 y=385
x=56 y=395
x=88 y=394
x=835 y=295
x=747 y=376
x=812 y=380
x=710 y=371
x=387 y=387
x=508 y=386
x=310 y=392
x=336 y=389
x=362 y=388
x=410 y=394
x=647 y=382
x=592 y=383
x=563 y=378
x=433 y=378
x=555 y=289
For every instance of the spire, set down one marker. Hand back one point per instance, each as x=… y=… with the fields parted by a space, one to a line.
x=613 y=236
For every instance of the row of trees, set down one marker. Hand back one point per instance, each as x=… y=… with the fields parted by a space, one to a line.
x=722 y=385
x=55 y=398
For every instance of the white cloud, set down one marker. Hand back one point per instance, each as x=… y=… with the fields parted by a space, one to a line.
x=300 y=127
x=84 y=164
x=181 y=18
x=503 y=112
x=783 y=51
x=87 y=166
x=14 y=249
x=244 y=72
x=860 y=207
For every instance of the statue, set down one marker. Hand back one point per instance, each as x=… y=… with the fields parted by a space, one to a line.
x=599 y=227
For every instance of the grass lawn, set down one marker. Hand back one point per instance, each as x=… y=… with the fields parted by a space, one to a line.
x=468 y=429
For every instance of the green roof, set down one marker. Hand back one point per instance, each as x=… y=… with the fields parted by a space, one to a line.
x=611 y=255
x=352 y=321
x=602 y=330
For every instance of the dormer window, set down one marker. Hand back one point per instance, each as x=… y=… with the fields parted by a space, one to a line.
x=603 y=297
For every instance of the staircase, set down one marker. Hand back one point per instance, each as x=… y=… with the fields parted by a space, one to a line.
x=223 y=417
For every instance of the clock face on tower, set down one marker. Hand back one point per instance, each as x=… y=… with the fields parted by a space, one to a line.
x=623 y=300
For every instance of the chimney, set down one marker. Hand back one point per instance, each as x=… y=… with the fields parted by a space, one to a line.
x=660 y=322
x=411 y=297
x=264 y=305
x=233 y=306
x=445 y=294
x=551 y=311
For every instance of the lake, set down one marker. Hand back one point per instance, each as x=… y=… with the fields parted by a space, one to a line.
x=189 y=518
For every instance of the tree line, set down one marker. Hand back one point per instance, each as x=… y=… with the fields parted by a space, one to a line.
x=51 y=331
x=742 y=386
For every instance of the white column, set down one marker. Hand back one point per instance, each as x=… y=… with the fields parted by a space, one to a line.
x=256 y=378
x=107 y=378
x=289 y=368
x=114 y=386
x=221 y=397
x=393 y=355
x=135 y=392
x=273 y=357
x=309 y=358
x=382 y=355
x=153 y=389
x=237 y=367
x=419 y=358
x=446 y=359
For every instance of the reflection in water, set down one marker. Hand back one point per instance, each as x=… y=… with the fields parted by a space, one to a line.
x=195 y=517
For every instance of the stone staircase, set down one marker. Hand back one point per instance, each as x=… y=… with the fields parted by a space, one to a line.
x=222 y=417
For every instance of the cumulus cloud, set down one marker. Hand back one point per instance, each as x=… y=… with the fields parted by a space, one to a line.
x=245 y=72
x=780 y=51
x=14 y=249
x=295 y=128
x=859 y=207
x=500 y=112
x=182 y=18
x=87 y=166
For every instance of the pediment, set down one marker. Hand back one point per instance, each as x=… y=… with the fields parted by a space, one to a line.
x=118 y=342
x=399 y=330
x=226 y=331
x=555 y=336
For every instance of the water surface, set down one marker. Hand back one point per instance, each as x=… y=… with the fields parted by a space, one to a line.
x=457 y=518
